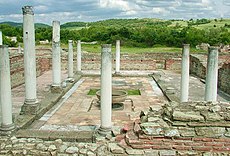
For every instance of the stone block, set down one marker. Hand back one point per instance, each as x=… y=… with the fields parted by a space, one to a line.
x=187 y=132
x=210 y=131
x=212 y=116
x=115 y=149
x=187 y=116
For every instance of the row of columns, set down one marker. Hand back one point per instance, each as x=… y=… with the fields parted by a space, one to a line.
x=211 y=74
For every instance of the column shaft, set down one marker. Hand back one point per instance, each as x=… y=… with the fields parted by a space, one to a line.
x=70 y=59
x=106 y=89
x=1 y=38
x=117 y=70
x=78 y=56
x=212 y=75
x=5 y=90
x=184 y=86
x=56 y=55
x=29 y=55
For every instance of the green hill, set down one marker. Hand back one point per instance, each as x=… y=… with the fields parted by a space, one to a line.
x=15 y=24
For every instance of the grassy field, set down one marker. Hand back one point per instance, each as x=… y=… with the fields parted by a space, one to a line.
x=97 y=49
x=217 y=23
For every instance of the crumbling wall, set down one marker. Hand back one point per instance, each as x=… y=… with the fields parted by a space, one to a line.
x=192 y=127
x=198 y=65
x=224 y=78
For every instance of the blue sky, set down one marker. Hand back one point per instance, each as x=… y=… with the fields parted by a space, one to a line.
x=93 y=10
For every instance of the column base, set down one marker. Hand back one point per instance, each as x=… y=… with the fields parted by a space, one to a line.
x=70 y=80
x=7 y=129
x=79 y=72
x=117 y=73
x=56 y=89
x=30 y=109
x=104 y=131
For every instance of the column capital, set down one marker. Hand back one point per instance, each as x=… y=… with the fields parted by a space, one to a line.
x=106 y=46
x=27 y=10
x=213 y=48
x=186 y=45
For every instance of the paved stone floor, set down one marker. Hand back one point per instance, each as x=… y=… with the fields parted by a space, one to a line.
x=74 y=112
x=79 y=111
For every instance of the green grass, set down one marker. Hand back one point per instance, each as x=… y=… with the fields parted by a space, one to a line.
x=218 y=24
x=130 y=91
x=97 y=49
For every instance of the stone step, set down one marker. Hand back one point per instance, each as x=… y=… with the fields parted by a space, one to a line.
x=70 y=136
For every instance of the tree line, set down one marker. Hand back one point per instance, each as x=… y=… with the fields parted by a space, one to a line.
x=147 y=35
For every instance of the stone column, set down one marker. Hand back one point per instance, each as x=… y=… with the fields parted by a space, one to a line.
x=79 y=56
x=184 y=85
x=56 y=58
x=30 y=106
x=106 y=90
x=19 y=48
x=211 y=75
x=5 y=90
x=117 y=70
x=70 y=60
x=1 y=38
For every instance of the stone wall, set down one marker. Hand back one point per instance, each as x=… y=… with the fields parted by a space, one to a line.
x=43 y=63
x=92 y=61
x=224 y=78
x=198 y=65
x=190 y=127
x=142 y=61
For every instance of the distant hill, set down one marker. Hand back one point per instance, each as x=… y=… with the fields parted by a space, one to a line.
x=15 y=24
x=137 y=23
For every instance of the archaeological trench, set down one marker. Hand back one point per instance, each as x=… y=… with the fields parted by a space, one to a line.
x=63 y=102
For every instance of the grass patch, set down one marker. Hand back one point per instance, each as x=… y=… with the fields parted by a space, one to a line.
x=96 y=48
x=130 y=91
x=93 y=91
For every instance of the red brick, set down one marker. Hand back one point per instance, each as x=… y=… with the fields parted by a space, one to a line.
x=194 y=144
x=222 y=140
x=161 y=147
x=202 y=148
x=152 y=142
x=178 y=147
x=221 y=149
x=213 y=144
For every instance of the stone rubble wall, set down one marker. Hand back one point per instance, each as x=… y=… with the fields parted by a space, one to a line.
x=198 y=65
x=195 y=127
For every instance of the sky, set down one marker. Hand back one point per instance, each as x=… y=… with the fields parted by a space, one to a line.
x=94 y=10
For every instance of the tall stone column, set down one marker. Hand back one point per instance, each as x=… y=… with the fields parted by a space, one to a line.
x=117 y=70
x=56 y=58
x=79 y=56
x=1 y=38
x=184 y=86
x=70 y=60
x=106 y=90
x=212 y=75
x=5 y=90
x=30 y=106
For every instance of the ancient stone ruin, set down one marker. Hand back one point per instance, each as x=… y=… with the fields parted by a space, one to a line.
x=49 y=105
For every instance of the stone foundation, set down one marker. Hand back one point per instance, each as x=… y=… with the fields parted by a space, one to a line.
x=192 y=126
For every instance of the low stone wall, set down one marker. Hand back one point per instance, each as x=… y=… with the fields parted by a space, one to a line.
x=92 y=61
x=192 y=127
x=198 y=65
x=43 y=63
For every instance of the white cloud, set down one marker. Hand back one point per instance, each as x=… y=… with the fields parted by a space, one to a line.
x=91 y=10
x=158 y=10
